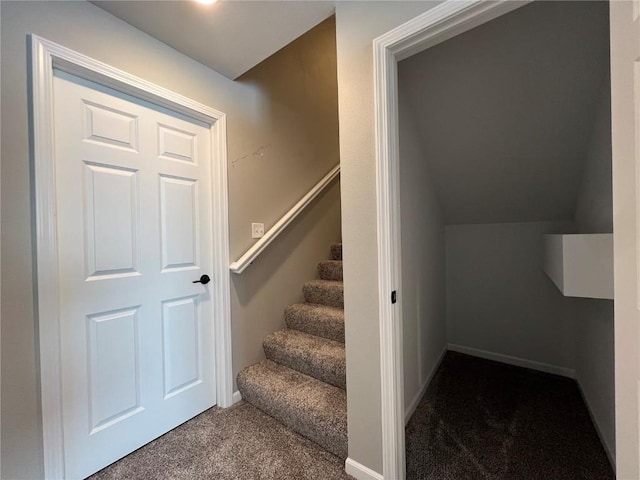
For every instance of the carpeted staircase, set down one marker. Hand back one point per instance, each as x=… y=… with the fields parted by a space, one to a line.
x=302 y=382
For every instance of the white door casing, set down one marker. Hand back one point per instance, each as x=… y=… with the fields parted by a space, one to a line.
x=625 y=124
x=134 y=231
x=100 y=272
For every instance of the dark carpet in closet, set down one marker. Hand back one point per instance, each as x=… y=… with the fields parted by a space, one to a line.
x=486 y=420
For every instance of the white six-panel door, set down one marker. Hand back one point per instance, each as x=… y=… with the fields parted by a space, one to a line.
x=133 y=197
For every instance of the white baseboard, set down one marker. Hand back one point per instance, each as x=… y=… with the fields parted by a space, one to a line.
x=359 y=471
x=607 y=447
x=236 y=397
x=517 y=361
x=423 y=389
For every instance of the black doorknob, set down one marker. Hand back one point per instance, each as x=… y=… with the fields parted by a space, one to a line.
x=204 y=279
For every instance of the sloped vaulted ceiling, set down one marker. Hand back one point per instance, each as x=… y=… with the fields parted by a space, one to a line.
x=505 y=111
x=229 y=36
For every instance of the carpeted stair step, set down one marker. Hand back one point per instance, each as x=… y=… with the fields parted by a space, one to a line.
x=318 y=320
x=308 y=406
x=314 y=356
x=330 y=270
x=336 y=251
x=324 y=292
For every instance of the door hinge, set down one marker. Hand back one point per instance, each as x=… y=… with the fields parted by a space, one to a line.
x=393 y=297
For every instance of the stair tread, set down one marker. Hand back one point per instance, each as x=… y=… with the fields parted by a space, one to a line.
x=329 y=283
x=320 y=320
x=308 y=406
x=314 y=356
x=324 y=292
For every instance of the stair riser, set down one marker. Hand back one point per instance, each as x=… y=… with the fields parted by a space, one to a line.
x=330 y=442
x=328 y=370
x=336 y=251
x=330 y=432
x=330 y=270
x=315 y=323
x=332 y=296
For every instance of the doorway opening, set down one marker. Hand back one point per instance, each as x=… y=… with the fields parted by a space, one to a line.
x=505 y=141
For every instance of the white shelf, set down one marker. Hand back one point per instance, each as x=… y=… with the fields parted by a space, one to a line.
x=581 y=265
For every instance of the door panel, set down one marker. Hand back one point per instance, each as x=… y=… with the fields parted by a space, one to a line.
x=176 y=144
x=109 y=126
x=111 y=220
x=182 y=345
x=114 y=367
x=179 y=217
x=133 y=189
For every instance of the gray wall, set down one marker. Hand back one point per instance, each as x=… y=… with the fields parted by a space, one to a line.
x=504 y=120
x=594 y=318
x=498 y=298
x=594 y=206
x=357 y=24
x=262 y=187
x=422 y=294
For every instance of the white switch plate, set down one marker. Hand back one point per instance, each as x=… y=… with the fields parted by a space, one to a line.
x=257 y=230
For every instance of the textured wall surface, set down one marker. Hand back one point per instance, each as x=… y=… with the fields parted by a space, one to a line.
x=594 y=318
x=594 y=207
x=506 y=109
x=423 y=299
x=498 y=297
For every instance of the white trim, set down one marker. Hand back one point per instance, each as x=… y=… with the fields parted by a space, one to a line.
x=607 y=448
x=44 y=57
x=389 y=276
x=237 y=396
x=359 y=471
x=436 y=25
x=250 y=255
x=423 y=389
x=222 y=280
x=517 y=361
x=46 y=295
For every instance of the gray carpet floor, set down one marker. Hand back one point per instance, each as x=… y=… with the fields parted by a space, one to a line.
x=479 y=420
x=240 y=442
x=485 y=420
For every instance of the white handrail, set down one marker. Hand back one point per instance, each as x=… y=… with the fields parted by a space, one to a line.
x=243 y=262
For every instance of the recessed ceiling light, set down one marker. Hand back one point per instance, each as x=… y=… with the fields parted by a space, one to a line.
x=206 y=2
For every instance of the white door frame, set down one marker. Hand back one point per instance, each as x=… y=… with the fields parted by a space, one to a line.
x=436 y=25
x=45 y=57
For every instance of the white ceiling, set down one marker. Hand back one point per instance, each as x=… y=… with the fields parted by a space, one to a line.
x=505 y=111
x=228 y=36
